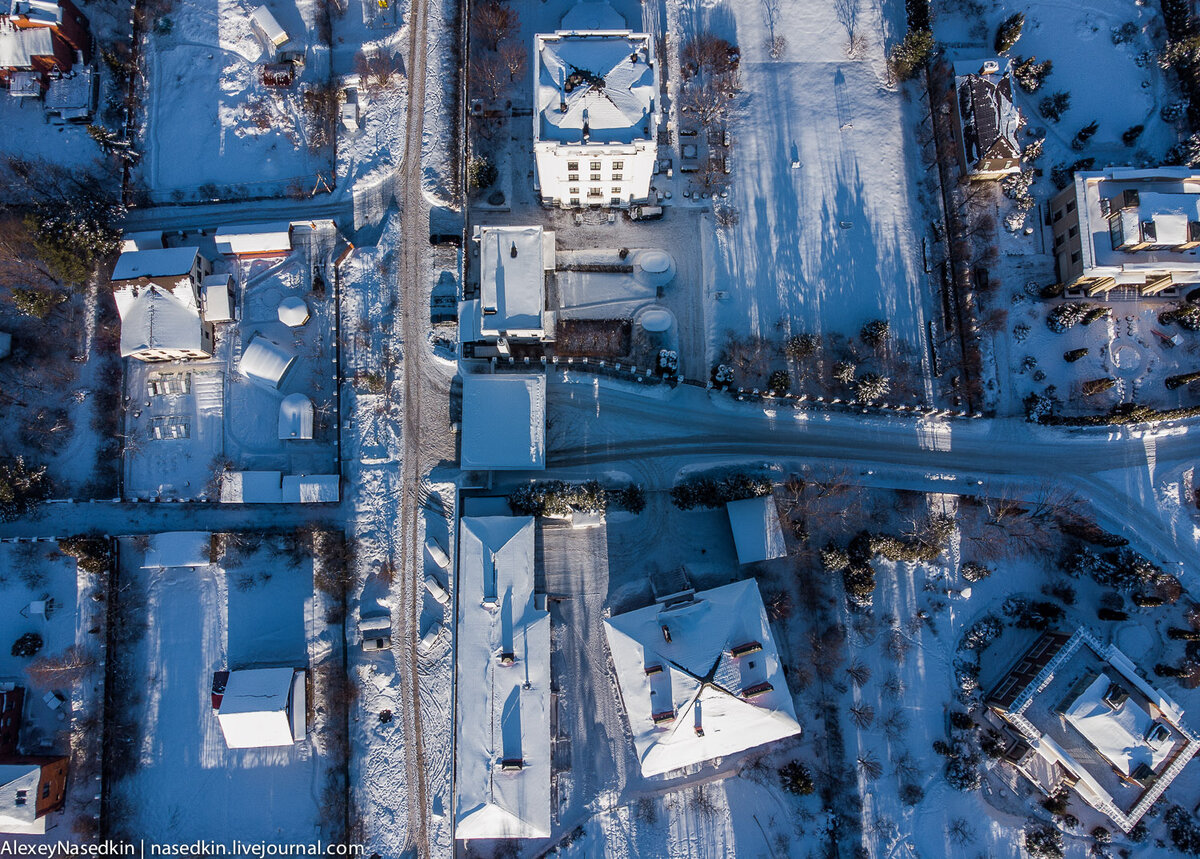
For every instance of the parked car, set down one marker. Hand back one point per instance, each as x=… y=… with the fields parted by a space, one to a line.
x=645 y=213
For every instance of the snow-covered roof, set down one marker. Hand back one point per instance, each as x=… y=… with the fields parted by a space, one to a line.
x=512 y=280
x=1166 y=197
x=153 y=317
x=154 y=262
x=757 y=533
x=252 y=487
x=292 y=311
x=311 y=488
x=272 y=238
x=256 y=708
x=142 y=241
x=989 y=118
x=18 y=46
x=296 y=417
x=265 y=361
x=502 y=713
x=18 y=799
x=716 y=687
x=504 y=422
x=603 y=82
x=41 y=11
x=178 y=549
x=71 y=96
x=1119 y=733
x=218 y=305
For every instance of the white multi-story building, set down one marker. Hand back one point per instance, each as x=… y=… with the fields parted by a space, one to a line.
x=595 y=122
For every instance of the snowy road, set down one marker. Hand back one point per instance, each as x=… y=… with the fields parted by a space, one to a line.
x=654 y=436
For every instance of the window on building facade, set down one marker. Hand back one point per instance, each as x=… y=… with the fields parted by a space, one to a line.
x=572 y=177
x=618 y=165
x=596 y=165
x=596 y=177
x=572 y=165
x=617 y=177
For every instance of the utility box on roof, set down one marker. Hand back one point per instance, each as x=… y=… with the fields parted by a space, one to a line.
x=269 y=27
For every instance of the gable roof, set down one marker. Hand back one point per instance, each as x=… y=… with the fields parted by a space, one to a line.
x=757 y=533
x=154 y=262
x=502 y=710
x=691 y=699
x=988 y=117
x=254 y=708
x=20 y=818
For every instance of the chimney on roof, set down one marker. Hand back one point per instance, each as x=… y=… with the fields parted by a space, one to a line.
x=666 y=631
x=512 y=252
x=990 y=67
x=633 y=58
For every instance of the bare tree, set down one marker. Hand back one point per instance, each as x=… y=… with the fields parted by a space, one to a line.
x=869 y=766
x=706 y=100
x=492 y=21
x=65 y=669
x=862 y=715
x=512 y=55
x=776 y=42
x=490 y=77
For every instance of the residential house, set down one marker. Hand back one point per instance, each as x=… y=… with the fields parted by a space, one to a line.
x=987 y=120
x=700 y=677
x=31 y=786
x=38 y=38
x=158 y=299
x=1131 y=230
x=262 y=707
x=596 y=114
x=1075 y=713
x=502 y=686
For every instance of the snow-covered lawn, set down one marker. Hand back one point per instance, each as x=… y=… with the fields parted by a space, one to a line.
x=825 y=169
x=212 y=128
x=256 y=609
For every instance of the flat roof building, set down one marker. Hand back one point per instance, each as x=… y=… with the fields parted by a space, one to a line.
x=1135 y=230
x=513 y=263
x=504 y=422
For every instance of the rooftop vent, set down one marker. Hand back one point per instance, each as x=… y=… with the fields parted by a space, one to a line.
x=663 y=716
x=666 y=631
x=745 y=649
x=512 y=252
x=990 y=67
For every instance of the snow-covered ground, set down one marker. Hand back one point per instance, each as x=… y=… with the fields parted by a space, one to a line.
x=74 y=618
x=212 y=128
x=256 y=608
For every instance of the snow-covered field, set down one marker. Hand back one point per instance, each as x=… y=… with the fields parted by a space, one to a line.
x=212 y=128
x=829 y=228
x=254 y=609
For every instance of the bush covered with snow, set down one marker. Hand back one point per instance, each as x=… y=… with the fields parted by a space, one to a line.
x=796 y=778
x=871 y=387
x=834 y=558
x=92 y=554
x=908 y=57
x=1183 y=829
x=875 y=333
x=1074 y=355
x=1055 y=105
x=801 y=347
x=1184 y=315
x=859 y=581
x=717 y=491
x=962 y=768
x=22 y=487
x=1043 y=841
x=974 y=572
x=980 y=635
x=1173 y=382
x=1066 y=315
x=1009 y=31
x=27 y=645
x=843 y=371
x=558 y=498
x=1030 y=74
